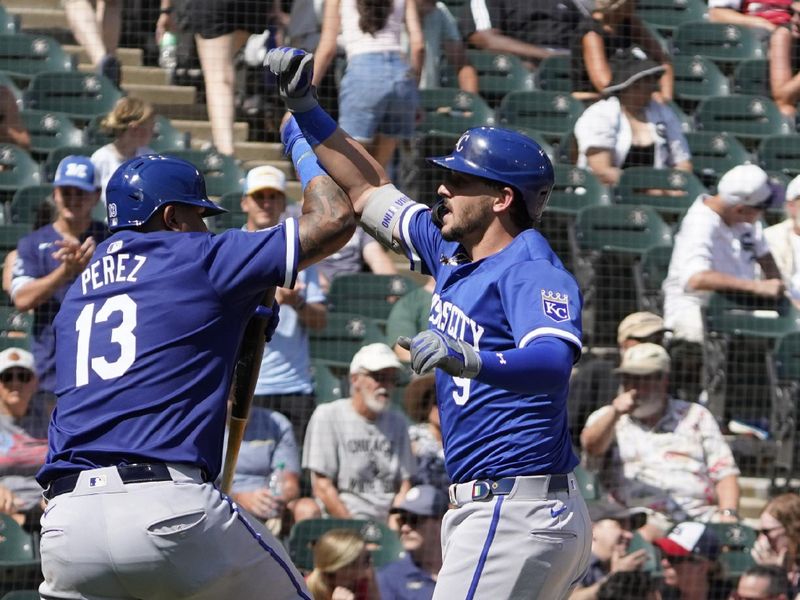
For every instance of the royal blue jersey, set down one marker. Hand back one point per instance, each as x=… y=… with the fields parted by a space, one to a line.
x=499 y=303
x=146 y=344
x=35 y=260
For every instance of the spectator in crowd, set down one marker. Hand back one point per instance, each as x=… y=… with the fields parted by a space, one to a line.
x=783 y=240
x=613 y=35
x=419 y=517
x=689 y=554
x=304 y=26
x=629 y=585
x=784 y=64
x=378 y=93
x=425 y=432
x=778 y=542
x=409 y=316
x=52 y=257
x=12 y=129
x=23 y=437
x=131 y=125
x=612 y=531
x=717 y=248
x=97 y=29
x=629 y=127
x=764 y=16
x=662 y=453
x=357 y=448
x=284 y=381
x=766 y=582
x=593 y=379
x=532 y=30
x=360 y=253
x=342 y=568
x=443 y=39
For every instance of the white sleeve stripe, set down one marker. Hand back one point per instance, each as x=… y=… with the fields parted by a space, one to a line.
x=405 y=235
x=291 y=252
x=480 y=14
x=18 y=283
x=571 y=337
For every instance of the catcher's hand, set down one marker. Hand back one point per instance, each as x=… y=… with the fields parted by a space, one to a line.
x=272 y=315
x=295 y=70
x=431 y=349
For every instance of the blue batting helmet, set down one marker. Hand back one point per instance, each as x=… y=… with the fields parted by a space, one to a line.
x=140 y=186
x=505 y=156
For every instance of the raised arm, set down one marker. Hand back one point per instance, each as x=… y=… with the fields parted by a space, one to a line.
x=326 y=49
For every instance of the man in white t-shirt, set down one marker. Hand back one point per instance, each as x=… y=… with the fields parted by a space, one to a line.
x=784 y=241
x=719 y=247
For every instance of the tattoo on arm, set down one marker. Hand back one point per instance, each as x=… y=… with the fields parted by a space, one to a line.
x=327 y=221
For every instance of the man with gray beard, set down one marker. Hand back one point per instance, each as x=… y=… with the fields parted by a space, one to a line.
x=357 y=448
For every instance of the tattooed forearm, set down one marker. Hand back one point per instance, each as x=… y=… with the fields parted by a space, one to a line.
x=327 y=222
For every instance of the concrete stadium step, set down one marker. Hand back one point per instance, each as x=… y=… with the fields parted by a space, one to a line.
x=137 y=75
x=754 y=487
x=282 y=165
x=201 y=130
x=254 y=151
x=129 y=57
x=40 y=18
x=751 y=508
x=174 y=94
x=23 y=4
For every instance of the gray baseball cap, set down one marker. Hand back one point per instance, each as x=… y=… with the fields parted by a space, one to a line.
x=424 y=500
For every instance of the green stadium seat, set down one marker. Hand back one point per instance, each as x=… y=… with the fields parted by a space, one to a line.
x=368 y=294
x=780 y=153
x=621 y=229
x=82 y=96
x=58 y=154
x=714 y=154
x=451 y=110
x=653 y=563
x=20 y=567
x=328 y=386
x=749 y=118
x=670 y=191
x=752 y=77
x=783 y=368
x=14 y=321
x=221 y=172
x=428 y=176
x=574 y=189
x=667 y=15
x=552 y=114
x=27 y=202
x=499 y=74
x=9 y=23
x=234 y=218
x=17 y=169
x=696 y=78
x=167 y=138
x=724 y=43
x=751 y=316
x=736 y=541
x=588 y=483
x=7 y=342
x=23 y=55
x=11 y=233
x=649 y=273
x=382 y=542
x=343 y=335
x=22 y=595
x=6 y=81
x=50 y=130
x=554 y=74
x=686 y=120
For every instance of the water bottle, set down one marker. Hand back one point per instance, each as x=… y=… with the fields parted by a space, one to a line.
x=275 y=484
x=168 y=59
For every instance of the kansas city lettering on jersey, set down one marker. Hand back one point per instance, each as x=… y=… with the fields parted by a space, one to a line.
x=450 y=319
x=114 y=268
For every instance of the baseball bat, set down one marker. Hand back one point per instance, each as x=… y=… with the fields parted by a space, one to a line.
x=245 y=376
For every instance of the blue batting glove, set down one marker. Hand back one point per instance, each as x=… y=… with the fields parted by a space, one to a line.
x=273 y=318
x=295 y=71
x=290 y=133
x=431 y=349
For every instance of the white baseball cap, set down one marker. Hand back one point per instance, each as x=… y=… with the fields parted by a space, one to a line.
x=16 y=357
x=793 y=189
x=265 y=177
x=745 y=184
x=644 y=359
x=374 y=357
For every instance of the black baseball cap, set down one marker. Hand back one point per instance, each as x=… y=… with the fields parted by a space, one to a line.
x=605 y=509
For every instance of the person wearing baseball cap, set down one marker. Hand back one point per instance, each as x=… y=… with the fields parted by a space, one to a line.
x=357 y=448
x=718 y=248
x=784 y=241
x=419 y=517
x=660 y=452
x=689 y=552
x=264 y=198
x=51 y=257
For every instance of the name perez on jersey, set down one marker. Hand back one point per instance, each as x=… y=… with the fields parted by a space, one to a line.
x=111 y=269
x=449 y=318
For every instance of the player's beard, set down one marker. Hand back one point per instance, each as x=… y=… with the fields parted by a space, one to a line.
x=473 y=217
x=377 y=401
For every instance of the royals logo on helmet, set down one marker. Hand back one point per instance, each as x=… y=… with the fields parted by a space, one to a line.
x=555 y=305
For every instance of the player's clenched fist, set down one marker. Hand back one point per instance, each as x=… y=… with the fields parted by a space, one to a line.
x=431 y=349
x=294 y=69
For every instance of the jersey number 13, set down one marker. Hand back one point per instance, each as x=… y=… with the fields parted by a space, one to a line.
x=122 y=335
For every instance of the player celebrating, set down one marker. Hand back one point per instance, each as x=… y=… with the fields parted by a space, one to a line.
x=504 y=333
x=147 y=339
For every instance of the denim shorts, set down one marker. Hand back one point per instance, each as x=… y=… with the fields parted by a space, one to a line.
x=378 y=94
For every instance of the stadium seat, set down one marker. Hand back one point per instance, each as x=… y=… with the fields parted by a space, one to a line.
x=427 y=177
x=749 y=118
x=670 y=191
x=653 y=563
x=328 y=386
x=382 y=542
x=574 y=189
x=588 y=483
x=783 y=367
x=167 y=138
x=752 y=77
x=666 y=15
x=23 y=55
x=6 y=81
x=696 y=78
x=20 y=567
x=58 y=154
x=344 y=334
x=780 y=153
x=686 y=121
x=451 y=110
x=648 y=274
x=368 y=294
x=621 y=229
x=81 y=96
x=234 y=218
x=9 y=23
x=11 y=233
x=554 y=74
x=22 y=595
x=221 y=172
x=49 y=130
x=715 y=153
x=26 y=203
x=552 y=114
x=14 y=321
x=499 y=74
x=17 y=169
x=736 y=541
x=724 y=43
x=751 y=316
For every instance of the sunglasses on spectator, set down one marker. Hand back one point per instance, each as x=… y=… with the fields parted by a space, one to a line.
x=409 y=519
x=20 y=375
x=767 y=530
x=384 y=378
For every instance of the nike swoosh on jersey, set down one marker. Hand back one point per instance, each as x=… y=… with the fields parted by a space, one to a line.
x=554 y=513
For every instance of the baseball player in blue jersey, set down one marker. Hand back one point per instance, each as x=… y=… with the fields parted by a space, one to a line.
x=146 y=344
x=504 y=332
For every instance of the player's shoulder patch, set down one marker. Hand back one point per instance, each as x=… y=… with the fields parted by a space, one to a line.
x=555 y=305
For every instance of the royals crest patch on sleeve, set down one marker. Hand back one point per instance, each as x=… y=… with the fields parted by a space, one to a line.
x=555 y=305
